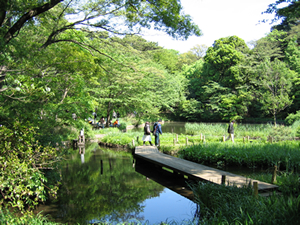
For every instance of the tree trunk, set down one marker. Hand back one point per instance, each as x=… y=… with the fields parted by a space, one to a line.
x=28 y=16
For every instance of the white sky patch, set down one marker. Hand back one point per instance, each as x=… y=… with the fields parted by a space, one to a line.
x=217 y=19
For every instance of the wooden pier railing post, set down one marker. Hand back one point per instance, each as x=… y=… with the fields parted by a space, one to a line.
x=255 y=187
x=248 y=138
x=223 y=179
x=244 y=140
x=274 y=174
x=176 y=137
x=174 y=142
x=201 y=137
x=133 y=142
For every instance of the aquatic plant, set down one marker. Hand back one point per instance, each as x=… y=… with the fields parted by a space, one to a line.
x=286 y=155
x=231 y=205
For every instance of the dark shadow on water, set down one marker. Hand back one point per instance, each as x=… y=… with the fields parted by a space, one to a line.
x=174 y=182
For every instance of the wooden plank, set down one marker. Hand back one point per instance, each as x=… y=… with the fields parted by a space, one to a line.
x=195 y=170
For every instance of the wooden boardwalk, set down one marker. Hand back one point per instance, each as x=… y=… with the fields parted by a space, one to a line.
x=196 y=171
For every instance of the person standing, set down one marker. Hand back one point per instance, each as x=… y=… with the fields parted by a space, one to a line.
x=95 y=116
x=231 y=131
x=156 y=131
x=147 y=134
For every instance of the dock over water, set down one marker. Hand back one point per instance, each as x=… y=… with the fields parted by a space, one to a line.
x=197 y=171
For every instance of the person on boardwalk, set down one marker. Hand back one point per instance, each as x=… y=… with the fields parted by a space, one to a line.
x=231 y=131
x=156 y=131
x=147 y=134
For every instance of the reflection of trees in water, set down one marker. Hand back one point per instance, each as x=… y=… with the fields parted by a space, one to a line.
x=110 y=190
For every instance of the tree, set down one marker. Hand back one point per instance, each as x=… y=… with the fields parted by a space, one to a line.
x=161 y=15
x=288 y=13
x=222 y=59
x=276 y=81
x=219 y=82
x=199 y=51
x=185 y=59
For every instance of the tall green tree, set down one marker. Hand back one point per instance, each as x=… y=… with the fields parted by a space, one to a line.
x=276 y=81
x=221 y=85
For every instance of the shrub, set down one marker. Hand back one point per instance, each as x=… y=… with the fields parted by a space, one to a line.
x=281 y=133
x=291 y=118
x=22 y=184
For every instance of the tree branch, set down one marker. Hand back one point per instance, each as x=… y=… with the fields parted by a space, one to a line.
x=27 y=16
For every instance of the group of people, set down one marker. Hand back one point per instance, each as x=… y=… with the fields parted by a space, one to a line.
x=156 y=131
x=101 y=123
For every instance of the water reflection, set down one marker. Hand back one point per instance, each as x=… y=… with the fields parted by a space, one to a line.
x=103 y=186
x=82 y=152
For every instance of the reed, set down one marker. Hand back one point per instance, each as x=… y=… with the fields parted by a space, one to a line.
x=286 y=155
x=254 y=131
x=231 y=205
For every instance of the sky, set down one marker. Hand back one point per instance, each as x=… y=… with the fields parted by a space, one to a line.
x=217 y=19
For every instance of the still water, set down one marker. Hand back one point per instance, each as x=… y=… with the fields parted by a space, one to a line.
x=169 y=127
x=105 y=186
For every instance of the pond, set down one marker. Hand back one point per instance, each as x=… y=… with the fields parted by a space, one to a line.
x=105 y=186
x=168 y=127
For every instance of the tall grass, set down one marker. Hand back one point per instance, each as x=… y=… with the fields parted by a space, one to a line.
x=218 y=129
x=7 y=217
x=221 y=204
x=286 y=155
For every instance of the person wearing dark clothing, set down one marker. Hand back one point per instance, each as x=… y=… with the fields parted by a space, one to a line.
x=156 y=131
x=231 y=131
x=147 y=134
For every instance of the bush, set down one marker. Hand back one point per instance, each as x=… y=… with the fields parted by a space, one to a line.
x=291 y=118
x=7 y=217
x=22 y=184
x=281 y=133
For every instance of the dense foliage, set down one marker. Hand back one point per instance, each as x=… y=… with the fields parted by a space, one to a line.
x=22 y=183
x=232 y=205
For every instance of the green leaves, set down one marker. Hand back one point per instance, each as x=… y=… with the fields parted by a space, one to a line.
x=22 y=184
x=276 y=82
